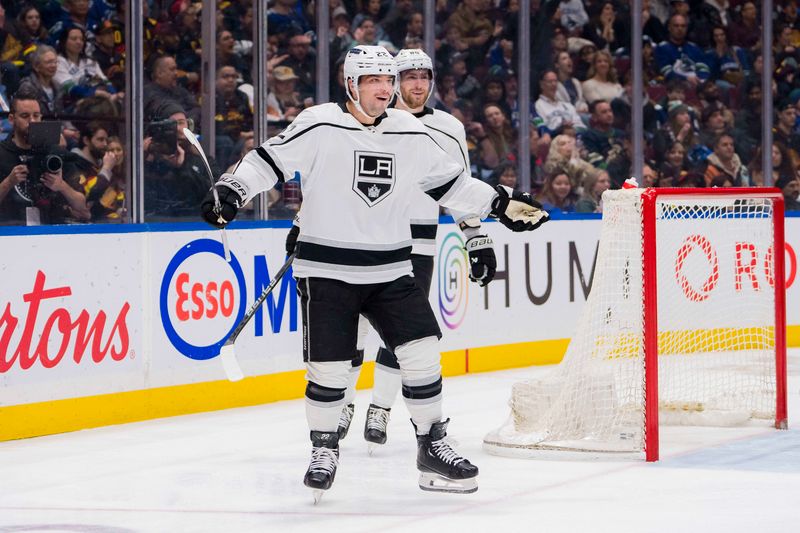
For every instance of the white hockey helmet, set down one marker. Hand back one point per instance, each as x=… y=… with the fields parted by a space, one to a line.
x=363 y=60
x=413 y=59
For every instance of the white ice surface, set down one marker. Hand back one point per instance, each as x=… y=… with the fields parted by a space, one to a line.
x=241 y=470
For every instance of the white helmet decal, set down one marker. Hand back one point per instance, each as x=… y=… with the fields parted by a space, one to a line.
x=365 y=60
x=413 y=59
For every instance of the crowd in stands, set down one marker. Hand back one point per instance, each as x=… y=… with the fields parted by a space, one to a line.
x=702 y=70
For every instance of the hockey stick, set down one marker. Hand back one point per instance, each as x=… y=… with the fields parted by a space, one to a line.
x=194 y=142
x=227 y=353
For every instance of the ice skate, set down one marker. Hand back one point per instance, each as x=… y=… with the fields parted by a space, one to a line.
x=375 y=427
x=345 y=419
x=324 y=460
x=441 y=468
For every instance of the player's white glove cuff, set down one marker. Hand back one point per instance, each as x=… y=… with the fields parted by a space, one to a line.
x=232 y=182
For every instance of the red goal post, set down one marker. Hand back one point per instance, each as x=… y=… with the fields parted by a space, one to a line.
x=685 y=324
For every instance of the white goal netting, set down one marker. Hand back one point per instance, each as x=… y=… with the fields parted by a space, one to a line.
x=716 y=323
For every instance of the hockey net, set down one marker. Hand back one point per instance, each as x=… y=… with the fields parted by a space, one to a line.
x=684 y=324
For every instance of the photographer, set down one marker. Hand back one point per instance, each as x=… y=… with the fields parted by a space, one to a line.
x=175 y=177
x=29 y=192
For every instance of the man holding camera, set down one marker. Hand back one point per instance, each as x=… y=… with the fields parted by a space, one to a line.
x=32 y=188
x=175 y=177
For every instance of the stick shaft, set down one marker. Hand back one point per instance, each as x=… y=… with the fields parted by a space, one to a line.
x=263 y=296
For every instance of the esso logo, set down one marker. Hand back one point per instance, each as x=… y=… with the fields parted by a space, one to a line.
x=202 y=298
x=453 y=280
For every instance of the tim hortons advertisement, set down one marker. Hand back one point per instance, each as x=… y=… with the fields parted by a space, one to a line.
x=70 y=316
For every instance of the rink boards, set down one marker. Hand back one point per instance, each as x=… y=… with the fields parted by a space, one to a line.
x=103 y=325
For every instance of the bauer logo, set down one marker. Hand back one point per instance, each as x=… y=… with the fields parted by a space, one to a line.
x=202 y=298
x=453 y=280
x=374 y=176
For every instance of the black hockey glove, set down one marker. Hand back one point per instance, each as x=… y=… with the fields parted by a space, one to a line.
x=518 y=212
x=229 y=204
x=291 y=238
x=482 y=262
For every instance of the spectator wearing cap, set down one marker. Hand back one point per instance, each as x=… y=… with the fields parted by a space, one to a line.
x=283 y=100
x=78 y=75
x=164 y=86
x=303 y=61
x=233 y=116
x=784 y=129
x=724 y=160
x=40 y=83
x=729 y=64
x=746 y=32
x=601 y=137
x=678 y=58
x=603 y=83
x=109 y=53
x=569 y=88
x=790 y=187
x=175 y=179
x=557 y=115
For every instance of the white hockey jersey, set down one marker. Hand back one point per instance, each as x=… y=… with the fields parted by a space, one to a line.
x=448 y=133
x=359 y=184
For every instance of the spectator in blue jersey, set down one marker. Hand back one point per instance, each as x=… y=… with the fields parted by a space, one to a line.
x=678 y=58
x=85 y=14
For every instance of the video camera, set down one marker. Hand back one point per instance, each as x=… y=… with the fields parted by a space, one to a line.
x=43 y=138
x=164 y=135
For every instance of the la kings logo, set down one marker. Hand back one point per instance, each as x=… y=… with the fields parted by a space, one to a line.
x=374 y=176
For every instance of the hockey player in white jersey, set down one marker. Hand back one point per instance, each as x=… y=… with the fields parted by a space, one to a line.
x=361 y=164
x=416 y=84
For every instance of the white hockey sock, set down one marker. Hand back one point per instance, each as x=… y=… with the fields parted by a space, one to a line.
x=387 y=384
x=422 y=381
x=325 y=393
